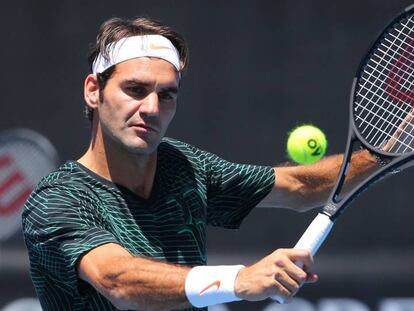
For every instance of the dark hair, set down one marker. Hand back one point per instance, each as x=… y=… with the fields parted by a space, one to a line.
x=117 y=28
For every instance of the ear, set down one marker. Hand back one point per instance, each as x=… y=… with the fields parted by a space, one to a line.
x=91 y=91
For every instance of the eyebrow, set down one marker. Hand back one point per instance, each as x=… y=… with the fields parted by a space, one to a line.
x=135 y=82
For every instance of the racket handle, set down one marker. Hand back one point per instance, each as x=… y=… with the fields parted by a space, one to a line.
x=315 y=234
x=311 y=240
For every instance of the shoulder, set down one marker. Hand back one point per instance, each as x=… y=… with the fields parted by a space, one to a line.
x=66 y=185
x=68 y=176
x=61 y=195
x=173 y=145
x=176 y=156
x=179 y=150
x=185 y=150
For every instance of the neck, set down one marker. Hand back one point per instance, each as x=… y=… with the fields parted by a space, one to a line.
x=135 y=172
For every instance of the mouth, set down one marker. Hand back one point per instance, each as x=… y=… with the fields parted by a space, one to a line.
x=145 y=128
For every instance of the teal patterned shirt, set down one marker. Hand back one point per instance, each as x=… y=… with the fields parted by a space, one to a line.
x=73 y=210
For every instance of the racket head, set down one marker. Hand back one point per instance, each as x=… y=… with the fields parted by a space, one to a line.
x=382 y=96
x=381 y=109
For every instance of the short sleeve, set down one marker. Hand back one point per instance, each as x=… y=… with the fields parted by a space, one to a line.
x=59 y=225
x=234 y=190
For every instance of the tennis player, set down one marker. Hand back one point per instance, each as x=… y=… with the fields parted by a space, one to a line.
x=123 y=227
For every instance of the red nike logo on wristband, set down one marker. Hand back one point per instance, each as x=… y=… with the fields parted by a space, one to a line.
x=216 y=283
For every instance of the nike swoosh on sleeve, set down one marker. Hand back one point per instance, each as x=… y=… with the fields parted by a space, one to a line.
x=216 y=283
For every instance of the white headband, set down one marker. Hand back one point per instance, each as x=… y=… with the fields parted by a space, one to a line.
x=137 y=46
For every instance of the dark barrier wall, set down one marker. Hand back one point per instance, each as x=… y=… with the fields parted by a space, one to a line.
x=257 y=69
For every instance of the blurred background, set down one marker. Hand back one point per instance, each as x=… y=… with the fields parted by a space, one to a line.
x=258 y=68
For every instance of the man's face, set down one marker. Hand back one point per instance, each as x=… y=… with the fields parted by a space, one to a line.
x=139 y=102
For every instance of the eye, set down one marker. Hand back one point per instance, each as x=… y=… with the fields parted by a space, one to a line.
x=136 y=91
x=166 y=96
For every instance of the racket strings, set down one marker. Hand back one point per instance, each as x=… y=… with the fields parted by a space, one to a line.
x=403 y=86
x=374 y=79
x=397 y=114
x=403 y=66
x=383 y=102
x=391 y=53
x=402 y=89
x=378 y=105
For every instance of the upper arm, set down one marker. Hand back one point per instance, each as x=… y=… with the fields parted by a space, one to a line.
x=60 y=225
x=234 y=190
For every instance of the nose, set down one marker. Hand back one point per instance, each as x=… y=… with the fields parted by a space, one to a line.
x=150 y=105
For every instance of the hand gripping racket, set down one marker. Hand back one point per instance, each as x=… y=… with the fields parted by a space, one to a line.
x=381 y=120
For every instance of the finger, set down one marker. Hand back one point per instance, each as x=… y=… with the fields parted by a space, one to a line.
x=311 y=277
x=293 y=275
x=301 y=255
x=295 y=272
x=289 y=283
x=401 y=128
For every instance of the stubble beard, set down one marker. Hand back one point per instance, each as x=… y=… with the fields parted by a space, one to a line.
x=131 y=143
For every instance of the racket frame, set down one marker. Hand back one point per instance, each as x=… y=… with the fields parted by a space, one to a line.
x=322 y=224
x=397 y=162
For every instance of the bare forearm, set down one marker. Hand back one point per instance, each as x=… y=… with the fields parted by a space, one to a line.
x=318 y=180
x=130 y=282
x=308 y=186
x=153 y=285
x=139 y=283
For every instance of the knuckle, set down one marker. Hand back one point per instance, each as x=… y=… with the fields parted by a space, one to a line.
x=306 y=253
x=309 y=255
x=280 y=262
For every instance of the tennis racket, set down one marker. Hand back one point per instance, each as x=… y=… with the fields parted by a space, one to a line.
x=381 y=121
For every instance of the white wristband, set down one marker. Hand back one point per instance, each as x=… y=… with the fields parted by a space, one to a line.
x=211 y=285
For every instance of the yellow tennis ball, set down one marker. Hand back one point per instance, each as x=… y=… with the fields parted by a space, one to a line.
x=306 y=144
